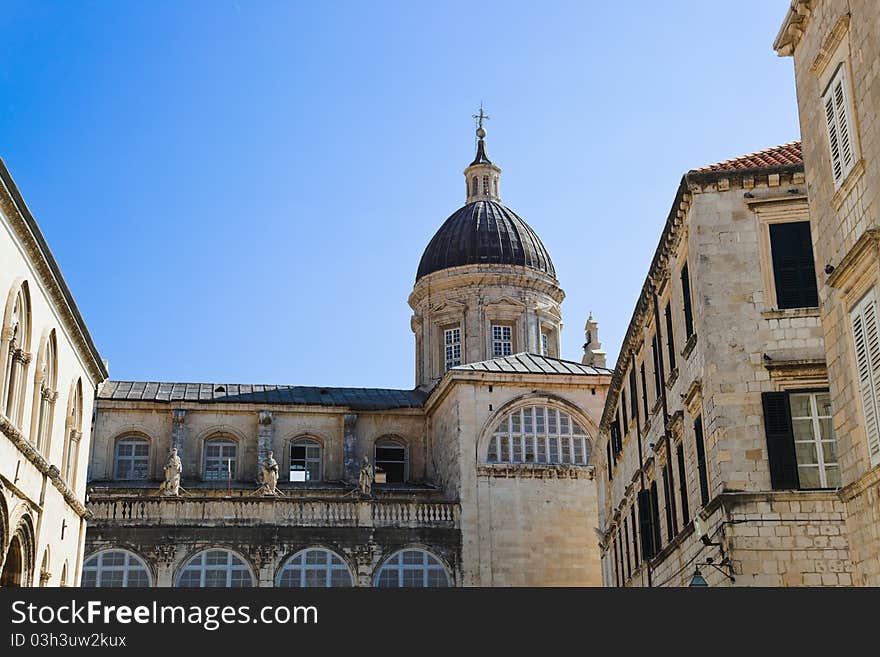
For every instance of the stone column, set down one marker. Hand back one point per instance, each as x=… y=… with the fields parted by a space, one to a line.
x=165 y=557
x=265 y=439
x=349 y=448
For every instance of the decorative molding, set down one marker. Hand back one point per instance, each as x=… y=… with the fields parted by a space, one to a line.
x=830 y=44
x=867 y=246
x=852 y=179
x=693 y=396
x=689 y=346
x=535 y=471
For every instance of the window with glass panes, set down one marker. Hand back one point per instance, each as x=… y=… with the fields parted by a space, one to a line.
x=220 y=459
x=814 y=441
x=452 y=347
x=502 y=340
x=305 y=460
x=132 y=459
x=412 y=568
x=315 y=567
x=545 y=344
x=215 y=568
x=115 y=568
x=538 y=434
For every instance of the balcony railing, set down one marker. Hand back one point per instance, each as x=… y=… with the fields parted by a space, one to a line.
x=156 y=511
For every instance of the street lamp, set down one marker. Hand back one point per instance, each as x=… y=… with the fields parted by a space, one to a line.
x=697 y=579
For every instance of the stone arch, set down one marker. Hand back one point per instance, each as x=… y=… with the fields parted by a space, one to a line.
x=45 y=392
x=421 y=547
x=195 y=552
x=15 y=350
x=352 y=568
x=130 y=432
x=217 y=431
x=537 y=398
x=18 y=565
x=123 y=546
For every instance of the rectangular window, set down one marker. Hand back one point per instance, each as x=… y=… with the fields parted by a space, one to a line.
x=655 y=515
x=682 y=486
x=670 y=337
x=626 y=547
x=634 y=525
x=667 y=505
x=866 y=339
x=655 y=348
x=608 y=457
x=545 y=345
x=305 y=461
x=452 y=347
x=839 y=124
x=617 y=577
x=616 y=443
x=686 y=300
x=220 y=460
x=625 y=423
x=646 y=525
x=794 y=273
x=502 y=340
x=801 y=446
x=644 y=392
x=633 y=396
x=701 y=461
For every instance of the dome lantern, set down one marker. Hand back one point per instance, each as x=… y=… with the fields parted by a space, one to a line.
x=482 y=177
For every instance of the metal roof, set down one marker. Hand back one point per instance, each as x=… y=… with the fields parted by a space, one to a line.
x=525 y=363
x=361 y=399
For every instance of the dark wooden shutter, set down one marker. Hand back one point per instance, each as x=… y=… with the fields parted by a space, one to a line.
x=626 y=546
x=623 y=418
x=702 y=470
x=645 y=392
x=793 y=267
x=686 y=300
x=634 y=524
x=633 y=395
x=646 y=527
x=608 y=449
x=655 y=348
x=780 y=440
x=670 y=337
x=667 y=505
x=682 y=486
x=655 y=515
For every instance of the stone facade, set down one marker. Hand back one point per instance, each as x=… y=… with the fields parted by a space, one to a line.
x=838 y=41
x=684 y=457
x=49 y=370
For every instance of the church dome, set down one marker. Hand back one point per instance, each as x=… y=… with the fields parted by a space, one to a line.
x=485 y=232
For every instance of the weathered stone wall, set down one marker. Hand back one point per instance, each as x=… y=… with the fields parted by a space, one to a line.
x=844 y=33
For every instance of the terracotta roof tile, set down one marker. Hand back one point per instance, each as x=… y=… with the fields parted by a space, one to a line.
x=772 y=157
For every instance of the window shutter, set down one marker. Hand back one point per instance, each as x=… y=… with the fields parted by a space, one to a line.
x=670 y=337
x=867 y=349
x=686 y=298
x=780 y=440
x=793 y=269
x=833 y=140
x=841 y=109
x=667 y=505
x=701 y=460
x=682 y=486
x=655 y=515
x=838 y=121
x=646 y=527
x=635 y=537
x=608 y=449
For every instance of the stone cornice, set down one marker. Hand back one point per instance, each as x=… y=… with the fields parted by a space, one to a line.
x=480 y=276
x=867 y=245
x=40 y=463
x=793 y=27
x=27 y=230
x=860 y=485
x=535 y=471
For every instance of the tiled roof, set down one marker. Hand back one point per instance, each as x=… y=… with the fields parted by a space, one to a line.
x=362 y=399
x=525 y=363
x=771 y=157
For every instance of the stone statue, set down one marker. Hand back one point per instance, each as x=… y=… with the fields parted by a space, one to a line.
x=270 y=475
x=366 y=477
x=173 y=468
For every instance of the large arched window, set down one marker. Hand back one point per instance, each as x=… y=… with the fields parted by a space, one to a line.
x=391 y=458
x=215 y=568
x=15 y=346
x=131 y=460
x=73 y=433
x=412 y=568
x=221 y=459
x=539 y=434
x=115 y=568
x=315 y=567
x=45 y=394
x=305 y=460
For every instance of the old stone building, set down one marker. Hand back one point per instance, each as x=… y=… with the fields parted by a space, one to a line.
x=716 y=453
x=836 y=50
x=483 y=471
x=49 y=369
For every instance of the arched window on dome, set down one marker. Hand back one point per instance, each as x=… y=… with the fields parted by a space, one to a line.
x=315 y=567
x=412 y=568
x=115 y=568
x=495 y=185
x=486 y=185
x=215 y=568
x=474 y=186
x=539 y=434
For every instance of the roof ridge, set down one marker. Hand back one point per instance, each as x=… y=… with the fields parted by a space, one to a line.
x=265 y=385
x=782 y=152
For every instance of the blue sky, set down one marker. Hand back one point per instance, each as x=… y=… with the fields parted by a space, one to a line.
x=241 y=191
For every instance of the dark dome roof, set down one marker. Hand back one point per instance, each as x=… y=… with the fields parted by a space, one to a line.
x=485 y=232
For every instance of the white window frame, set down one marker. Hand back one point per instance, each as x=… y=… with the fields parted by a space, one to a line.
x=545 y=344
x=333 y=563
x=307 y=443
x=395 y=563
x=234 y=563
x=132 y=458
x=818 y=438
x=838 y=112
x=225 y=467
x=452 y=347
x=132 y=563
x=866 y=343
x=502 y=340
x=539 y=434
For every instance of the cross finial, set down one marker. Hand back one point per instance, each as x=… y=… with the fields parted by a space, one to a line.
x=479 y=118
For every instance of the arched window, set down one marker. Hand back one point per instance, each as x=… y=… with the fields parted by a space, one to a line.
x=486 y=185
x=115 y=568
x=495 y=185
x=45 y=394
x=220 y=459
x=412 y=568
x=15 y=345
x=44 y=569
x=474 y=186
x=305 y=460
x=63 y=581
x=73 y=433
x=132 y=458
x=315 y=567
x=215 y=568
x=391 y=458
x=539 y=434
